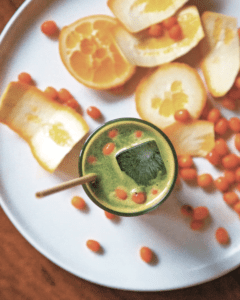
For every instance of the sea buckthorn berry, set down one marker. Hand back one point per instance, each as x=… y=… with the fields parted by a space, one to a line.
x=121 y=194
x=72 y=102
x=234 y=93
x=236 y=207
x=222 y=236
x=185 y=161
x=146 y=254
x=154 y=191
x=237 y=141
x=229 y=103
x=64 y=95
x=234 y=124
x=221 y=147
x=182 y=115
x=78 y=202
x=91 y=159
x=170 y=22
x=187 y=210
x=138 y=133
x=230 y=176
x=214 y=115
x=221 y=126
x=112 y=133
x=213 y=157
x=204 y=180
x=175 y=32
x=231 y=198
x=237 y=82
x=139 y=198
x=49 y=27
x=93 y=245
x=51 y=93
x=200 y=213
x=237 y=174
x=230 y=161
x=196 y=224
x=156 y=30
x=238 y=187
x=108 y=148
x=25 y=77
x=109 y=215
x=205 y=111
x=222 y=184
x=188 y=173
x=94 y=112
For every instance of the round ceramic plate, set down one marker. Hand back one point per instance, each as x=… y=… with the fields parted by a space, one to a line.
x=53 y=226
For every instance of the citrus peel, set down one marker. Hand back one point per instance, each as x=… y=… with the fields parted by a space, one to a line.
x=50 y=129
x=91 y=55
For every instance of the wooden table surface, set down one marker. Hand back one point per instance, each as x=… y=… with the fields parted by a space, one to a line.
x=26 y=274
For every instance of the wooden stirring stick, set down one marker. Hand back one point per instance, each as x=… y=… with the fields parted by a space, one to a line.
x=66 y=185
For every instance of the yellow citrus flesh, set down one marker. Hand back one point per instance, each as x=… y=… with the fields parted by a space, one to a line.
x=50 y=129
x=91 y=55
x=167 y=89
x=196 y=138
x=143 y=50
x=150 y=12
x=220 y=50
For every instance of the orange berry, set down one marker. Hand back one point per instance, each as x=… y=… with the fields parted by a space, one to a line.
x=49 y=27
x=187 y=210
x=234 y=124
x=25 y=77
x=156 y=30
x=146 y=254
x=154 y=191
x=230 y=161
x=200 y=213
x=51 y=93
x=64 y=95
x=72 y=102
x=78 y=202
x=214 y=115
x=188 y=173
x=229 y=103
x=196 y=224
x=139 y=198
x=175 y=32
x=238 y=187
x=237 y=175
x=221 y=126
x=185 y=161
x=222 y=184
x=93 y=245
x=109 y=215
x=182 y=115
x=121 y=194
x=204 y=180
x=222 y=236
x=231 y=198
x=237 y=82
x=205 y=111
x=108 y=148
x=213 y=157
x=113 y=133
x=237 y=141
x=230 y=176
x=221 y=147
x=170 y=22
x=236 y=207
x=94 y=112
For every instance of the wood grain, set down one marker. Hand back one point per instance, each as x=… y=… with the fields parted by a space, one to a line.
x=25 y=274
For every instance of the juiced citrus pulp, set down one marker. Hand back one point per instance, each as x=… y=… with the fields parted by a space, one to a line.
x=91 y=55
x=144 y=50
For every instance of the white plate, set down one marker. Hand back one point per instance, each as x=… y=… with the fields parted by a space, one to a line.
x=54 y=227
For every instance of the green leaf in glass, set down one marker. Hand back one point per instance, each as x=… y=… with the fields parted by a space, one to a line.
x=142 y=162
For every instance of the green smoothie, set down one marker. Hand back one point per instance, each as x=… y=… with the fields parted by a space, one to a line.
x=135 y=163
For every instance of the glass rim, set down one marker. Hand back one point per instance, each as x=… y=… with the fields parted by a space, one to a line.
x=144 y=211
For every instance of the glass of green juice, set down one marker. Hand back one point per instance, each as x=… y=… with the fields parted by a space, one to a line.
x=135 y=163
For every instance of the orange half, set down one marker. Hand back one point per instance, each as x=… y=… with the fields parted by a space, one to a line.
x=91 y=55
